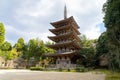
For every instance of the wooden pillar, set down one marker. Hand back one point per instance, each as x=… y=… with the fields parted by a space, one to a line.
x=58 y=63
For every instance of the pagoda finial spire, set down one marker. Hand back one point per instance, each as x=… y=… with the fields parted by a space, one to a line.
x=65 y=12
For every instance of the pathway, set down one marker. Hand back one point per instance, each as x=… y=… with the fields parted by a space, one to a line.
x=40 y=75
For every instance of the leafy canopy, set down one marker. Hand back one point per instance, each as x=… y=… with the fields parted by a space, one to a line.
x=2 y=33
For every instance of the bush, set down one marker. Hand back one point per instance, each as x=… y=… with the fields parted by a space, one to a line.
x=37 y=68
x=60 y=69
x=80 y=69
x=68 y=70
x=77 y=69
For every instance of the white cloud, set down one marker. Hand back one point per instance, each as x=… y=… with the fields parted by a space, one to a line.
x=93 y=32
x=32 y=18
x=15 y=33
x=36 y=9
x=88 y=15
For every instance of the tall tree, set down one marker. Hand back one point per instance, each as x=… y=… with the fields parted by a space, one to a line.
x=112 y=22
x=101 y=47
x=20 y=45
x=102 y=51
x=2 y=33
x=88 y=51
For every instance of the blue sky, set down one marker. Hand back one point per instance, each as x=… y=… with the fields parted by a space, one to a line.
x=31 y=18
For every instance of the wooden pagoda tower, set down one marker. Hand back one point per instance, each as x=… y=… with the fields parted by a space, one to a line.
x=66 y=42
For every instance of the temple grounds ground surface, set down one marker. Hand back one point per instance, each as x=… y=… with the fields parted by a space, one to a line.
x=41 y=75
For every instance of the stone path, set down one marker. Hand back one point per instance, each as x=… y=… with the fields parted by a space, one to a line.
x=39 y=75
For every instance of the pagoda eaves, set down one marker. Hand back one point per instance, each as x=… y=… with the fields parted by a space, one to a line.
x=64 y=22
x=65 y=36
x=66 y=27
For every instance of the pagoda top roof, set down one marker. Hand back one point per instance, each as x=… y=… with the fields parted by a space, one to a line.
x=67 y=20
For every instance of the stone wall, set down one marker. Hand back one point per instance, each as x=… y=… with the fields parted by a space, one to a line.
x=7 y=64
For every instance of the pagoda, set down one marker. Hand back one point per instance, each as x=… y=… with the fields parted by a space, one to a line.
x=66 y=42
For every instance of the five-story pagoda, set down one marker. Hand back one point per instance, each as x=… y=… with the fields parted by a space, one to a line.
x=66 y=42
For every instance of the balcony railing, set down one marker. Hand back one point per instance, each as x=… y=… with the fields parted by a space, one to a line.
x=63 y=51
x=54 y=66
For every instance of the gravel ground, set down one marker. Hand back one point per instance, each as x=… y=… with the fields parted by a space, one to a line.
x=40 y=75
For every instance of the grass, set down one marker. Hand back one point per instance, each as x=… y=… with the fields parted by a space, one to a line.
x=113 y=76
x=109 y=74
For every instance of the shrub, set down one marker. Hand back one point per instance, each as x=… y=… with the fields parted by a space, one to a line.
x=60 y=69
x=37 y=68
x=68 y=70
x=80 y=69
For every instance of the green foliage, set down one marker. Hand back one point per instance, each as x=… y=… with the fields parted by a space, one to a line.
x=47 y=49
x=6 y=46
x=37 y=68
x=68 y=70
x=112 y=13
x=101 y=47
x=2 y=33
x=8 y=55
x=109 y=74
x=1 y=53
x=112 y=77
x=7 y=52
x=13 y=54
x=88 y=51
x=60 y=69
x=36 y=49
x=112 y=20
x=80 y=69
x=87 y=43
x=19 y=45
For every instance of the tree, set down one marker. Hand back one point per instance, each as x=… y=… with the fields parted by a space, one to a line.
x=89 y=54
x=13 y=54
x=102 y=51
x=112 y=22
x=7 y=52
x=35 y=48
x=6 y=46
x=2 y=33
x=19 y=45
x=86 y=43
x=101 y=47
x=88 y=50
x=9 y=55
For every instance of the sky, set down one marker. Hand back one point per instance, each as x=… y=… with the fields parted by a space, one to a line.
x=31 y=18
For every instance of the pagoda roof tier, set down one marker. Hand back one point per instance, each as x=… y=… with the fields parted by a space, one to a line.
x=65 y=36
x=64 y=22
x=66 y=54
x=69 y=44
x=66 y=27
